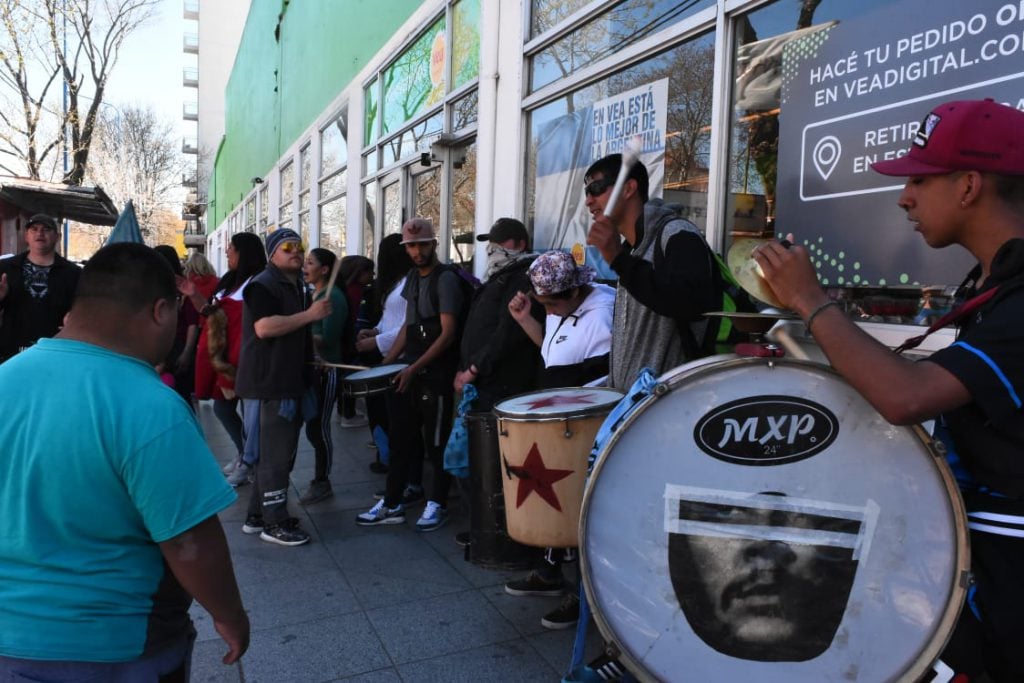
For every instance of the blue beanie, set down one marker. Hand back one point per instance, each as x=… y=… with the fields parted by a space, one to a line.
x=275 y=239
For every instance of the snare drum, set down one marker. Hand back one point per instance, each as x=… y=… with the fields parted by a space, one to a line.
x=756 y=519
x=545 y=439
x=371 y=381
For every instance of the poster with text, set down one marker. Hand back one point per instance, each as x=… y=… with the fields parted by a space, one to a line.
x=569 y=144
x=855 y=93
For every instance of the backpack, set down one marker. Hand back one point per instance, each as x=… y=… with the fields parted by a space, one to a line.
x=468 y=284
x=701 y=337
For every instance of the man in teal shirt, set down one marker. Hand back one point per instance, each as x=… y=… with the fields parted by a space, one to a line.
x=109 y=493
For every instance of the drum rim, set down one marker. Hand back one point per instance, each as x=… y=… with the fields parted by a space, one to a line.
x=589 y=411
x=398 y=367
x=667 y=382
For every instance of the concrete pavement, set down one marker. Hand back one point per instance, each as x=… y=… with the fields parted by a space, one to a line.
x=375 y=604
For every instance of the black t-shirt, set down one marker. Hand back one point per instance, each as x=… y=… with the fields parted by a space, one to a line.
x=988 y=358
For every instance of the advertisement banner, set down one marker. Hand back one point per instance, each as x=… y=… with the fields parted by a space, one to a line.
x=854 y=93
x=569 y=144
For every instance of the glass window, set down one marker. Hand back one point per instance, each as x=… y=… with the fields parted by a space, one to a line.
x=264 y=206
x=665 y=99
x=545 y=14
x=413 y=141
x=287 y=183
x=426 y=199
x=372 y=116
x=304 y=168
x=333 y=146
x=250 y=214
x=304 y=227
x=370 y=164
x=465 y=42
x=415 y=81
x=392 y=209
x=465 y=111
x=334 y=185
x=304 y=201
x=369 y=219
x=463 y=206
x=332 y=225
x=608 y=33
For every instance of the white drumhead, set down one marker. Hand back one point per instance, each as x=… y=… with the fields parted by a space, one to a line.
x=379 y=371
x=760 y=521
x=557 y=402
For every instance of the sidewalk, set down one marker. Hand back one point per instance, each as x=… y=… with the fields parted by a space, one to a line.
x=374 y=604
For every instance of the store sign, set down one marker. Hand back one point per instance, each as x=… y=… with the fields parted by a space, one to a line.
x=568 y=145
x=856 y=92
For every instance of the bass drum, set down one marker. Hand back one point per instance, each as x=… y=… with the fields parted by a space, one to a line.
x=757 y=520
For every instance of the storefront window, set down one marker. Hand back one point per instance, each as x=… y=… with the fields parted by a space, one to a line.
x=371 y=104
x=822 y=90
x=392 y=209
x=465 y=42
x=332 y=225
x=369 y=219
x=333 y=147
x=416 y=80
x=465 y=111
x=608 y=33
x=426 y=200
x=544 y=14
x=264 y=196
x=665 y=100
x=463 y=206
x=287 y=193
x=250 y=214
x=334 y=185
x=412 y=141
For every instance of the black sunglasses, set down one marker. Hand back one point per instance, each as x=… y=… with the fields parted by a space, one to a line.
x=597 y=187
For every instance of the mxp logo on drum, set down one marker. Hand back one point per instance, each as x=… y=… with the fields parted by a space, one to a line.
x=766 y=430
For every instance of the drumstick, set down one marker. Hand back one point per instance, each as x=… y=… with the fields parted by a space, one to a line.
x=343 y=366
x=630 y=155
x=334 y=276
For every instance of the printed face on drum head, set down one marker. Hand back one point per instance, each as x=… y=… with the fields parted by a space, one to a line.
x=763 y=578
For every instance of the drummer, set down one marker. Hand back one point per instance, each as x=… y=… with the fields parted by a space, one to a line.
x=575 y=343
x=965 y=186
x=667 y=279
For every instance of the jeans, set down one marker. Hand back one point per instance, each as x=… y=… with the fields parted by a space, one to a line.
x=173 y=664
x=278 y=438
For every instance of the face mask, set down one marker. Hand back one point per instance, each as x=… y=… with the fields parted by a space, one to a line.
x=498 y=257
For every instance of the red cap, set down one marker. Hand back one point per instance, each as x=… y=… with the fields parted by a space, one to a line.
x=970 y=135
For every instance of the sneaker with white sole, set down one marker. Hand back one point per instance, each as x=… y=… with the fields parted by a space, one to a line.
x=411 y=495
x=434 y=517
x=253 y=524
x=379 y=514
x=240 y=476
x=287 y=533
x=230 y=467
x=565 y=615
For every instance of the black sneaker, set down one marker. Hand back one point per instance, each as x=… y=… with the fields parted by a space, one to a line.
x=287 y=533
x=463 y=538
x=317 y=491
x=253 y=524
x=378 y=467
x=565 y=615
x=535 y=584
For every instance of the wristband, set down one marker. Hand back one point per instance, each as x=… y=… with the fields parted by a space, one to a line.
x=816 y=311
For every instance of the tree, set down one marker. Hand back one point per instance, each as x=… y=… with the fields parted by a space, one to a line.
x=136 y=157
x=54 y=49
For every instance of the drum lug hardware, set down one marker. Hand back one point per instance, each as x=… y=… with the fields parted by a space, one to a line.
x=938 y=449
x=660 y=389
x=568 y=432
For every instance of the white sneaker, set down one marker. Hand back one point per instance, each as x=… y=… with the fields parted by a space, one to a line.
x=230 y=467
x=240 y=476
x=379 y=514
x=353 y=422
x=434 y=517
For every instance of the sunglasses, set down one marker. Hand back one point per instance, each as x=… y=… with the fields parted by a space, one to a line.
x=598 y=187
x=292 y=247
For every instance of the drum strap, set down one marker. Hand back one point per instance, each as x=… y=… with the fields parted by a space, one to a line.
x=962 y=311
x=643 y=387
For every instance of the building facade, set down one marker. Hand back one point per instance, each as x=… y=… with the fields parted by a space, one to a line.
x=754 y=117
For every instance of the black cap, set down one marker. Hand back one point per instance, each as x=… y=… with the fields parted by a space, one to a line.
x=42 y=219
x=505 y=229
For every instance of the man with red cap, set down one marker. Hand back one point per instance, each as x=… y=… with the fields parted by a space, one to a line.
x=965 y=186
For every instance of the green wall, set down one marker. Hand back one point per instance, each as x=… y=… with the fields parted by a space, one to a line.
x=278 y=88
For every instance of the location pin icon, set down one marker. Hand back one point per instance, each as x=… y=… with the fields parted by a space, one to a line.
x=826 y=155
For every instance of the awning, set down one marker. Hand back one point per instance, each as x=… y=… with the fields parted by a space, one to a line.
x=82 y=204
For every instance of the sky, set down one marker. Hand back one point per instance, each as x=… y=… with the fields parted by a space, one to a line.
x=149 y=67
